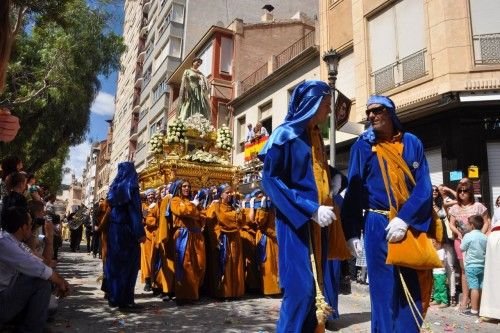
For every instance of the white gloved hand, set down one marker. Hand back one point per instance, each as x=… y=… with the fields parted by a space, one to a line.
x=263 y=202
x=355 y=247
x=252 y=202
x=336 y=185
x=324 y=216
x=396 y=230
x=195 y=202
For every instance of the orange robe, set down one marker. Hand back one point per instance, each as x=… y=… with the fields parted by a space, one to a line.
x=165 y=246
x=186 y=218
x=103 y=219
x=229 y=222
x=250 y=266
x=269 y=268
x=151 y=212
x=210 y=285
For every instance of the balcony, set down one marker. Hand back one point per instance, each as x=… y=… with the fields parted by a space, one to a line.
x=400 y=72
x=141 y=56
x=144 y=32
x=486 y=49
x=282 y=58
x=138 y=81
x=146 y=6
x=295 y=49
x=136 y=109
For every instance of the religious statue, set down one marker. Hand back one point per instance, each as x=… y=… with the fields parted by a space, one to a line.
x=194 y=92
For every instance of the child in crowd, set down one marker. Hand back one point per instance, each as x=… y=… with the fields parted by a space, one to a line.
x=474 y=244
x=439 y=292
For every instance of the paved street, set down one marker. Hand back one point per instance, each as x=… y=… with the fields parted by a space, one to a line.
x=86 y=310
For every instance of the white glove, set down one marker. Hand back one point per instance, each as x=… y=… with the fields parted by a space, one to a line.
x=324 y=216
x=263 y=202
x=396 y=230
x=355 y=247
x=195 y=201
x=252 y=202
x=336 y=184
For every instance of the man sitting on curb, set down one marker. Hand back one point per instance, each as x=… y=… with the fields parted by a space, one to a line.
x=25 y=281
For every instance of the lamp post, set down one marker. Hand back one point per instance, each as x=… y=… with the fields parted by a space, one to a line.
x=331 y=58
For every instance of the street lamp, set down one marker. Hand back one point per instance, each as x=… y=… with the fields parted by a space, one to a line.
x=332 y=58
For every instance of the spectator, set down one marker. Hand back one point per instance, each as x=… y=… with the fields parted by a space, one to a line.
x=45 y=247
x=439 y=292
x=459 y=215
x=56 y=220
x=9 y=165
x=250 y=134
x=25 y=286
x=474 y=246
x=259 y=131
x=32 y=189
x=49 y=205
x=16 y=187
x=490 y=300
x=449 y=264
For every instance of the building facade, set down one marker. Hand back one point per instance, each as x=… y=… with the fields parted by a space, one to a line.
x=159 y=34
x=103 y=165
x=439 y=60
x=89 y=176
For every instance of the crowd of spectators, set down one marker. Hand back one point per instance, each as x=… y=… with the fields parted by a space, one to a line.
x=29 y=242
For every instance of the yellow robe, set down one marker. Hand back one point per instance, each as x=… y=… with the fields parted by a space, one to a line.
x=151 y=213
x=166 y=249
x=186 y=215
x=269 y=268
x=250 y=267
x=229 y=223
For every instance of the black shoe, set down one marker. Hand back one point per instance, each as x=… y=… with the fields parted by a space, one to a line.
x=130 y=307
x=147 y=287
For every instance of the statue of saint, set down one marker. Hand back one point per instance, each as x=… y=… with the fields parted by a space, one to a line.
x=194 y=92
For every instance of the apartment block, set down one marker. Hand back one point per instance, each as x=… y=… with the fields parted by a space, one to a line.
x=439 y=60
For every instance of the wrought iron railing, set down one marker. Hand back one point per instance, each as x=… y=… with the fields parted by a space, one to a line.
x=254 y=78
x=295 y=49
x=400 y=72
x=487 y=49
x=281 y=59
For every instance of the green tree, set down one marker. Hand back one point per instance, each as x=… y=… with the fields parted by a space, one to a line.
x=52 y=78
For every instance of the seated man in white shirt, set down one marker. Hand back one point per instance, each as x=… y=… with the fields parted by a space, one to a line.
x=25 y=281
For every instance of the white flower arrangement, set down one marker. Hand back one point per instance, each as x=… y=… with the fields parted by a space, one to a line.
x=176 y=132
x=156 y=143
x=204 y=157
x=224 y=139
x=198 y=122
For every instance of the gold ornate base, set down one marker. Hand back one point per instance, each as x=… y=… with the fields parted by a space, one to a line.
x=200 y=175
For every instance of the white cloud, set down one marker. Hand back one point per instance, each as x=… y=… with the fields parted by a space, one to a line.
x=77 y=158
x=104 y=104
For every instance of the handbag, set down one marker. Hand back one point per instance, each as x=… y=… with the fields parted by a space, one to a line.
x=415 y=250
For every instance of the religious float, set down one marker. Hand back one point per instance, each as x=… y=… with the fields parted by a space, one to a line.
x=193 y=150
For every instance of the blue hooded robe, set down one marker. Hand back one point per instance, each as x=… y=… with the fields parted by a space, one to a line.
x=288 y=179
x=366 y=190
x=125 y=230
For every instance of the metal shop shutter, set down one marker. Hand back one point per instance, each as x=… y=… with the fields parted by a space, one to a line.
x=494 y=171
x=434 y=160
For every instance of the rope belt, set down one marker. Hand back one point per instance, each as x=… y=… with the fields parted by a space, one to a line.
x=379 y=211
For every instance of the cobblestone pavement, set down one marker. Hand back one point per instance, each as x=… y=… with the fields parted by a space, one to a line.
x=86 y=310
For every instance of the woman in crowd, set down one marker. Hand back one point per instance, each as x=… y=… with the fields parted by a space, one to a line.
x=230 y=277
x=447 y=246
x=490 y=301
x=189 y=243
x=459 y=215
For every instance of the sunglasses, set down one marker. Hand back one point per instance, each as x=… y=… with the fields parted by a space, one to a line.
x=463 y=191
x=375 y=111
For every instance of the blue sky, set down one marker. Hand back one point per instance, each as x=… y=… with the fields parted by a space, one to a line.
x=103 y=107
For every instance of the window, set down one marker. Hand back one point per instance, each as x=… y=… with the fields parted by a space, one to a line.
x=222 y=115
x=159 y=90
x=400 y=30
x=241 y=133
x=206 y=56
x=155 y=127
x=147 y=77
x=485 y=31
x=172 y=48
x=143 y=113
x=345 y=80
x=226 y=57
x=265 y=110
